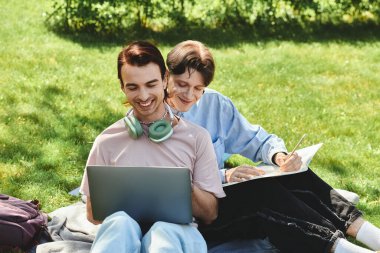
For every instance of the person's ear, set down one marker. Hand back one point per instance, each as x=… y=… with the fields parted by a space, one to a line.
x=122 y=88
x=166 y=79
x=121 y=85
x=197 y=98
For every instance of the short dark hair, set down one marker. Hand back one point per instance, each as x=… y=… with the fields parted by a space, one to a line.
x=140 y=53
x=191 y=55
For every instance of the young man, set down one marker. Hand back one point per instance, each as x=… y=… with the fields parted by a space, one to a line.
x=302 y=206
x=192 y=68
x=142 y=75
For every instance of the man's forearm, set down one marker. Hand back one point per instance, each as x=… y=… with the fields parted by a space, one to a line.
x=90 y=217
x=205 y=205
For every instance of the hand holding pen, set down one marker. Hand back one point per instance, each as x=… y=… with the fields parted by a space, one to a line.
x=292 y=161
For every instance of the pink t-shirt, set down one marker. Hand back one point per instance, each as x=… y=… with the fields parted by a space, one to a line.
x=190 y=146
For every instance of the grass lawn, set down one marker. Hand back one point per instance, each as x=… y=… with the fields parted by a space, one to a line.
x=57 y=94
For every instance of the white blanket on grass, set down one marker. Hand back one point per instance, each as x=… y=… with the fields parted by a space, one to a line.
x=70 y=231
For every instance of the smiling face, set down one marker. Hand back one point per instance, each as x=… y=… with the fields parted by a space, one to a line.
x=185 y=89
x=144 y=89
x=191 y=67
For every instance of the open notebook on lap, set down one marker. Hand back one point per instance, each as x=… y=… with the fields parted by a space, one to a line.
x=147 y=194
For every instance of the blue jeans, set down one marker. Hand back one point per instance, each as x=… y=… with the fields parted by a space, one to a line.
x=120 y=233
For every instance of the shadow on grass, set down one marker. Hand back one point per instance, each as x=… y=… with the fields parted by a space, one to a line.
x=50 y=144
x=226 y=37
x=335 y=166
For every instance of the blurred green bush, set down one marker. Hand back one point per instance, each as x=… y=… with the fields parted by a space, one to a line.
x=114 y=16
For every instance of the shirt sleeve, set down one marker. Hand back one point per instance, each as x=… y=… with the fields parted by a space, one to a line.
x=241 y=137
x=95 y=157
x=205 y=173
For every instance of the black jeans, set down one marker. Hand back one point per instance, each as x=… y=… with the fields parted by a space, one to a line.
x=298 y=213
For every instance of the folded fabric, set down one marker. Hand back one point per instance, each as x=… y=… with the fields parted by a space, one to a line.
x=70 y=231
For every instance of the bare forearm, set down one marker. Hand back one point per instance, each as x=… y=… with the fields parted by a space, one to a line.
x=205 y=205
x=90 y=217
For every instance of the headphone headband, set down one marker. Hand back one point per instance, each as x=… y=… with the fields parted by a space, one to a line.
x=158 y=131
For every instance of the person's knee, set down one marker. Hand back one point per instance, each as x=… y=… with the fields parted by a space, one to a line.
x=120 y=220
x=160 y=238
x=164 y=227
x=170 y=231
x=118 y=215
x=118 y=233
x=169 y=237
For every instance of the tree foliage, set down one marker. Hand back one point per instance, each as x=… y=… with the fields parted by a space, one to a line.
x=113 y=16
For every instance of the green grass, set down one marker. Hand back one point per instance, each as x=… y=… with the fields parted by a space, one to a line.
x=57 y=92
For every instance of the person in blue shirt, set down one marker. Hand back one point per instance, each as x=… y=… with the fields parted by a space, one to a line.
x=231 y=133
x=298 y=212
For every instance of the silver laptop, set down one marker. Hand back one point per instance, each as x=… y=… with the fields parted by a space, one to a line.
x=147 y=194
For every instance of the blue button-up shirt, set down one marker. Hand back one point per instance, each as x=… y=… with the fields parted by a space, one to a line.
x=230 y=132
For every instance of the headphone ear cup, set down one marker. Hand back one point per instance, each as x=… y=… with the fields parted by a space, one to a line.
x=160 y=131
x=134 y=127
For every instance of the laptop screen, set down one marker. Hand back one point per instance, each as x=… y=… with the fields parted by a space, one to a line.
x=147 y=194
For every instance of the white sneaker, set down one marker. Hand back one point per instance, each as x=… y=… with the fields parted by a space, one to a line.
x=350 y=196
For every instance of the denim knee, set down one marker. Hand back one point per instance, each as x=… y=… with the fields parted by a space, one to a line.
x=169 y=237
x=118 y=233
x=122 y=222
